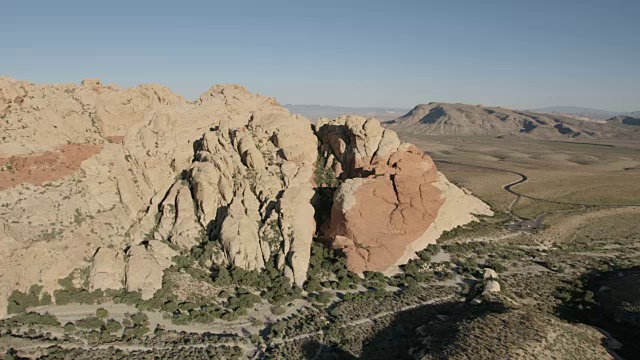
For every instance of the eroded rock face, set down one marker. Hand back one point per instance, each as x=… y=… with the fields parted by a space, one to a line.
x=152 y=175
x=148 y=169
x=107 y=270
x=390 y=203
x=145 y=267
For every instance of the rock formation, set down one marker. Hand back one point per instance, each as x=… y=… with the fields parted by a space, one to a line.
x=118 y=182
x=392 y=202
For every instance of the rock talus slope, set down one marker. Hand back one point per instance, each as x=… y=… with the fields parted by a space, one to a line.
x=115 y=183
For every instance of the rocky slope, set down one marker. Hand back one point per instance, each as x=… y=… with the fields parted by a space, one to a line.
x=108 y=185
x=477 y=120
x=515 y=334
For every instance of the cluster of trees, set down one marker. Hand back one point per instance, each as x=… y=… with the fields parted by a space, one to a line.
x=307 y=321
x=19 y=301
x=328 y=270
x=31 y=318
x=71 y=294
x=272 y=285
x=97 y=329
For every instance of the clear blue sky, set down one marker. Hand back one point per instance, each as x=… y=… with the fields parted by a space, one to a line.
x=523 y=54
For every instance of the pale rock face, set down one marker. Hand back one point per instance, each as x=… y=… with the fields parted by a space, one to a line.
x=239 y=233
x=137 y=170
x=298 y=226
x=107 y=270
x=145 y=267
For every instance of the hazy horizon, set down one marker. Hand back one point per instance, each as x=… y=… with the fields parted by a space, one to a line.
x=355 y=54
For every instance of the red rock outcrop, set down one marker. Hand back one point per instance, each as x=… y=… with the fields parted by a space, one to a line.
x=388 y=205
x=48 y=166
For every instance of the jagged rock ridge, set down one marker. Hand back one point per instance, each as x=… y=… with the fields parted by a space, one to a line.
x=142 y=175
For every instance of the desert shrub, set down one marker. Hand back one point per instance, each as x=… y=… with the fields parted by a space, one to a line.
x=113 y=325
x=428 y=252
x=324 y=175
x=45 y=299
x=243 y=301
x=467 y=266
x=90 y=322
x=280 y=291
x=182 y=261
x=69 y=327
x=70 y=294
x=203 y=314
x=136 y=331
x=312 y=285
x=102 y=313
x=223 y=278
x=33 y=318
x=11 y=354
x=277 y=310
x=129 y=298
x=496 y=265
x=19 y=301
x=325 y=297
x=140 y=318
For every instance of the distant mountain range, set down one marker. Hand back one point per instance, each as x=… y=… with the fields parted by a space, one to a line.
x=477 y=120
x=314 y=112
x=583 y=112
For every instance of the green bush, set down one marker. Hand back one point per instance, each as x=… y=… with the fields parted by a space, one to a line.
x=277 y=310
x=102 y=313
x=113 y=325
x=19 y=301
x=136 y=331
x=243 y=301
x=32 y=318
x=45 y=299
x=140 y=318
x=90 y=322
x=312 y=285
x=325 y=297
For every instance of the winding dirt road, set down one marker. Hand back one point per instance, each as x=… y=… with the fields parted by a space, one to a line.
x=524 y=178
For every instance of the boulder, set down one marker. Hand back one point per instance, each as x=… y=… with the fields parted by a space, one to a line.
x=107 y=270
x=145 y=267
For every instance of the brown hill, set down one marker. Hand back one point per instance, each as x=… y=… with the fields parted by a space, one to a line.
x=624 y=120
x=477 y=120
